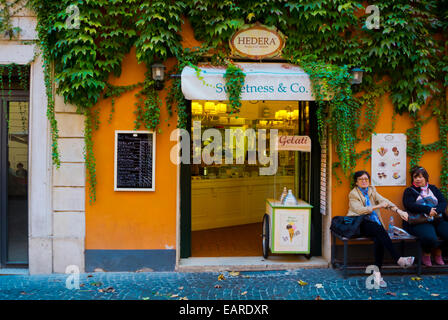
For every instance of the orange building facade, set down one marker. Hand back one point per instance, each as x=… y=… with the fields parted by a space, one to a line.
x=128 y=231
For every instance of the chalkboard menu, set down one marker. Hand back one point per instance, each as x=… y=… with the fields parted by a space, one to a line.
x=134 y=160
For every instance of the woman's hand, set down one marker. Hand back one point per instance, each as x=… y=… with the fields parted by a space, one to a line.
x=403 y=214
x=433 y=212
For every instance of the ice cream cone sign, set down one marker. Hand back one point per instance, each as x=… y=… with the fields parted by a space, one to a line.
x=291 y=230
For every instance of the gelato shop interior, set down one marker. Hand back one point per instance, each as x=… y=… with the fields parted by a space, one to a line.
x=232 y=179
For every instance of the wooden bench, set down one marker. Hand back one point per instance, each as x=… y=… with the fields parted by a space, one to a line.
x=344 y=265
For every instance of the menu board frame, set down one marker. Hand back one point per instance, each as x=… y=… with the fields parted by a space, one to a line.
x=150 y=132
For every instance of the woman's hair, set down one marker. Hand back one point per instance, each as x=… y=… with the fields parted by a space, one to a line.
x=358 y=174
x=416 y=171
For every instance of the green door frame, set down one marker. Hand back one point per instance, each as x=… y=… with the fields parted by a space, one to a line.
x=185 y=199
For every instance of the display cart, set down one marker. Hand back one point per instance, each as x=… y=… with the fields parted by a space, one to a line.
x=287 y=228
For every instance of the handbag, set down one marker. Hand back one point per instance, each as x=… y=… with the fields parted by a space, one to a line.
x=348 y=227
x=418 y=218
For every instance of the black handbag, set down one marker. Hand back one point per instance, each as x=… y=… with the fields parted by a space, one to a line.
x=418 y=218
x=348 y=227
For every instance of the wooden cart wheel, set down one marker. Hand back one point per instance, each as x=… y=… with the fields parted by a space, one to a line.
x=265 y=236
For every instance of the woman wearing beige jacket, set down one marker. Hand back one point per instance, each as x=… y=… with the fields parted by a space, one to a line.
x=366 y=201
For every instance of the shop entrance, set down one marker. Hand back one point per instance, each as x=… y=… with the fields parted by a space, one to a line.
x=14 y=107
x=222 y=204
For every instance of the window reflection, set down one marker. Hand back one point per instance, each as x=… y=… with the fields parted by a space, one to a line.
x=17 y=211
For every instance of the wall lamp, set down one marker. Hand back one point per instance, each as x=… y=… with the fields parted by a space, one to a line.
x=158 y=75
x=356 y=76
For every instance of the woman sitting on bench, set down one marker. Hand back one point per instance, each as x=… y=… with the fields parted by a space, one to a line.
x=425 y=201
x=365 y=200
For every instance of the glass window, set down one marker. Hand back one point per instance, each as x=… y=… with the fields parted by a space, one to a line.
x=228 y=187
x=17 y=184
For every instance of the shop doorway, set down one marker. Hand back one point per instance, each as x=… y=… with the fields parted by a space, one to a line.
x=14 y=109
x=222 y=205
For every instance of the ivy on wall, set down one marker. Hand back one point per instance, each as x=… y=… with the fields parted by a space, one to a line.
x=406 y=56
x=14 y=77
x=9 y=9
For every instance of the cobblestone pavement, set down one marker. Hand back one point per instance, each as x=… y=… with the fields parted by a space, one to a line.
x=328 y=284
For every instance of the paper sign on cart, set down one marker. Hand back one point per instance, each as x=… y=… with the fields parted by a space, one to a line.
x=291 y=232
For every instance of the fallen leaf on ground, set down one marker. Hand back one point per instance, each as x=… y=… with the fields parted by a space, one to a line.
x=108 y=290
x=89 y=276
x=435 y=294
x=183 y=298
x=244 y=293
x=218 y=286
x=391 y=294
x=302 y=283
x=234 y=273
x=318 y=298
x=181 y=288
x=420 y=286
x=97 y=284
x=319 y=285
x=221 y=277
x=416 y=279
x=174 y=296
x=145 y=270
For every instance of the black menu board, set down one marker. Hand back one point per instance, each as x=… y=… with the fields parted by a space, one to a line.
x=134 y=161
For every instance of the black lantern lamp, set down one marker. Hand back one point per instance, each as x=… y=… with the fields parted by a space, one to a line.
x=158 y=75
x=357 y=75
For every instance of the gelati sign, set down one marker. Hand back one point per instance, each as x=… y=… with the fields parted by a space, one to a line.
x=257 y=42
x=294 y=143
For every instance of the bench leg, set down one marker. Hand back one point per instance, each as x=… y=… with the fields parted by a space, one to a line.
x=344 y=267
x=419 y=258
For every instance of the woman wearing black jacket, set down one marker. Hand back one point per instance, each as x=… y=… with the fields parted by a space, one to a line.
x=425 y=199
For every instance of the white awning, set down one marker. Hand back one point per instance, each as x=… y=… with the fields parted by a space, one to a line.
x=264 y=81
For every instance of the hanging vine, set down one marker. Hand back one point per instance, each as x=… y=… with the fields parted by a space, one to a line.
x=8 y=9
x=14 y=77
x=234 y=77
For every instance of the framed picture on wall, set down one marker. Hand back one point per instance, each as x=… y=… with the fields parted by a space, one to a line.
x=134 y=160
x=389 y=159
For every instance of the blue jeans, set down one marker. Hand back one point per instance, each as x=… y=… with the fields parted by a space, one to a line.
x=428 y=233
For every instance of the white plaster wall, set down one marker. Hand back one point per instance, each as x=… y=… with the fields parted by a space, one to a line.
x=56 y=196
